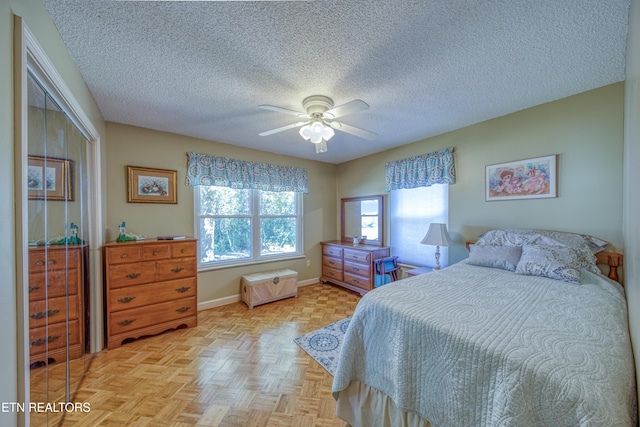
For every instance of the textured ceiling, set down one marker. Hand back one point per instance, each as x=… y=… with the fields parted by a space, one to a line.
x=425 y=67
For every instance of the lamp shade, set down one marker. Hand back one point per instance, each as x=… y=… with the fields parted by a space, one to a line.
x=437 y=235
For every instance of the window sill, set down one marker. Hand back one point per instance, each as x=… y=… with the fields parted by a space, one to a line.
x=248 y=263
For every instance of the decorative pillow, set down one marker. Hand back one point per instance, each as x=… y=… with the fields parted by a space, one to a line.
x=519 y=237
x=555 y=262
x=504 y=257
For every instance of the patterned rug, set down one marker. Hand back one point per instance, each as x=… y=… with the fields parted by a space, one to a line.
x=325 y=343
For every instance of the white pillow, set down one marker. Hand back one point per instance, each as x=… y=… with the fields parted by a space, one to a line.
x=519 y=237
x=503 y=257
x=555 y=262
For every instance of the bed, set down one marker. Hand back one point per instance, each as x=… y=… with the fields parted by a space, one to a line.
x=525 y=332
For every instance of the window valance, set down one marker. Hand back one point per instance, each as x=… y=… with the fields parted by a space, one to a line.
x=421 y=171
x=205 y=169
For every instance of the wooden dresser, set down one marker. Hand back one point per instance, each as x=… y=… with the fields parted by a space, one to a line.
x=53 y=270
x=350 y=266
x=151 y=286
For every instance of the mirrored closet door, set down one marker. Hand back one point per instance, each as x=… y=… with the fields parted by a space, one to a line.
x=58 y=256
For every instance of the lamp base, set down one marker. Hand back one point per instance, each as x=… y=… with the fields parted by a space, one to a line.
x=437 y=266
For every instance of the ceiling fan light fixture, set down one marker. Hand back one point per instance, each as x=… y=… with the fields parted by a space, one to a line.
x=321 y=147
x=327 y=133
x=305 y=132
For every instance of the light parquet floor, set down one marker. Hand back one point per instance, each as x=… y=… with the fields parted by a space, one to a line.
x=238 y=367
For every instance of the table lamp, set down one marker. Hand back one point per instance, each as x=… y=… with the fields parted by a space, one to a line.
x=437 y=236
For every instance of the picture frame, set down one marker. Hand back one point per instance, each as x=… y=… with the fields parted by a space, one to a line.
x=49 y=178
x=149 y=185
x=534 y=178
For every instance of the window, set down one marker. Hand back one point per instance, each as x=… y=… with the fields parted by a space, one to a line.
x=412 y=210
x=247 y=226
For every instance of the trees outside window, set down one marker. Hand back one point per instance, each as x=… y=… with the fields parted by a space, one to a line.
x=244 y=226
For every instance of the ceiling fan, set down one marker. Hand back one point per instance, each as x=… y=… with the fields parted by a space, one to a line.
x=318 y=122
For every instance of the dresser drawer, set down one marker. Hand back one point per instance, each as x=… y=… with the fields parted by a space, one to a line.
x=41 y=313
x=176 y=268
x=332 y=272
x=357 y=256
x=152 y=293
x=52 y=284
x=131 y=274
x=183 y=249
x=156 y=251
x=124 y=254
x=52 y=259
x=332 y=262
x=359 y=281
x=40 y=341
x=357 y=269
x=137 y=318
x=333 y=251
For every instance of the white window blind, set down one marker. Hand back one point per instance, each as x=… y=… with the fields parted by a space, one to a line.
x=411 y=212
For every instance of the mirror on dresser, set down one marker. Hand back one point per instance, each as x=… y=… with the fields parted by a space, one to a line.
x=58 y=256
x=362 y=220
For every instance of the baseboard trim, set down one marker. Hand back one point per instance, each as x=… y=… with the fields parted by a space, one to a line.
x=205 y=305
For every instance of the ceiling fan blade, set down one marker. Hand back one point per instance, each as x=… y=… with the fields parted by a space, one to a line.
x=354 y=130
x=283 y=110
x=283 y=128
x=345 y=109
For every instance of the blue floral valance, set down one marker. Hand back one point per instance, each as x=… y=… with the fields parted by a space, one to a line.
x=421 y=171
x=205 y=169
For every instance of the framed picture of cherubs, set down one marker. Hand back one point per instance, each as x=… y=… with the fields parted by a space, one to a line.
x=147 y=185
x=522 y=179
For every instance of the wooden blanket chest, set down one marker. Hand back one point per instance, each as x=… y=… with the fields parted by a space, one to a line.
x=268 y=286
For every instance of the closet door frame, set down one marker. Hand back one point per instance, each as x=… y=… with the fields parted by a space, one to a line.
x=29 y=55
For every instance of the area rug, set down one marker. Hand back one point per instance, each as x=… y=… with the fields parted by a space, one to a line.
x=325 y=343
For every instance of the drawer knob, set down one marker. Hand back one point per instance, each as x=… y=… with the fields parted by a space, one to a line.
x=126 y=322
x=156 y=252
x=43 y=341
x=125 y=300
x=183 y=309
x=51 y=261
x=133 y=275
x=276 y=280
x=43 y=314
x=33 y=288
x=183 y=289
x=124 y=256
x=40 y=262
x=177 y=269
x=182 y=250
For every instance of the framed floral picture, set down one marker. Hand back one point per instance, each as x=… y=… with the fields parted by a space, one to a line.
x=147 y=185
x=49 y=178
x=522 y=179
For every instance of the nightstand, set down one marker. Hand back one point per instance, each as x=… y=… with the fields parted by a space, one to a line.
x=419 y=271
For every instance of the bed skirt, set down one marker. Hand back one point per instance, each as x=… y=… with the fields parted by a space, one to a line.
x=364 y=406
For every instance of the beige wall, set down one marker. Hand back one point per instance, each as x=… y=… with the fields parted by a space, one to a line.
x=135 y=146
x=585 y=130
x=632 y=179
x=38 y=20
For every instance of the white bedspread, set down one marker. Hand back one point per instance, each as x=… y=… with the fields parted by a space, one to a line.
x=476 y=346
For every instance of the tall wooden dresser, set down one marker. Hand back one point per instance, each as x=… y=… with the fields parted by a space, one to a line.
x=53 y=270
x=350 y=266
x=151 y=287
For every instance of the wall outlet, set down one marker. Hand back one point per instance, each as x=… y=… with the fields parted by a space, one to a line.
x=308 y=263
